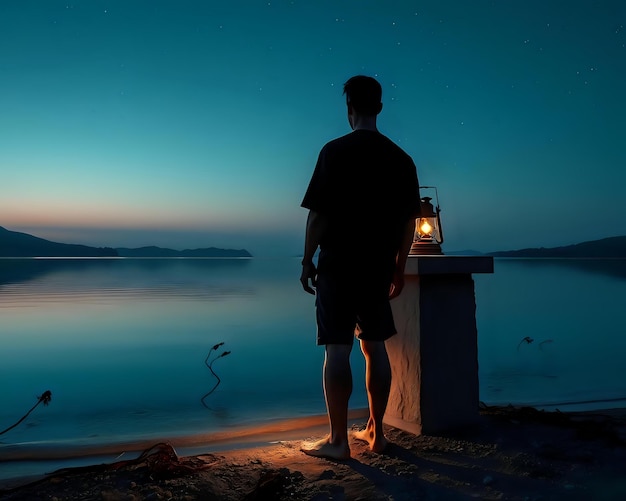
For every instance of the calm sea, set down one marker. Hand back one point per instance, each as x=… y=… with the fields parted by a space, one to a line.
x=122 y=344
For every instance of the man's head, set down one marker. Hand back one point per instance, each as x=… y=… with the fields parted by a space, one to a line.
x=363 y=95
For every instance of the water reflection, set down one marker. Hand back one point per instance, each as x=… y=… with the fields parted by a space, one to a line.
x=122 y=343
x=573 y=312
x=46 y=279
x=615 y=267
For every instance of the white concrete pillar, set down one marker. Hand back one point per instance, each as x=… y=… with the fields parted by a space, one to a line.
x=434 y=355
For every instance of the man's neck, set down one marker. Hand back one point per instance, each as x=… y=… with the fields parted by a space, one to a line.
x=364 y=123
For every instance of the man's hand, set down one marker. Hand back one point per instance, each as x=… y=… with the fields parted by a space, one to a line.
x=396 y=285
x=309 y=272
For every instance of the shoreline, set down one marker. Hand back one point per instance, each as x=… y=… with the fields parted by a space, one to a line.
x=248 y=436
x=513 y=453
x=235 y=437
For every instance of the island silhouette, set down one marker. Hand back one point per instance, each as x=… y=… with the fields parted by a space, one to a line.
x=611 y=247
x=17 y=244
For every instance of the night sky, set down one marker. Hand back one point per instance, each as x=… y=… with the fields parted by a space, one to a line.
x=191 y=124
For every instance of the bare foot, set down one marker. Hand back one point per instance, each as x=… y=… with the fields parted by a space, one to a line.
x=324 y=449
x=377 y=443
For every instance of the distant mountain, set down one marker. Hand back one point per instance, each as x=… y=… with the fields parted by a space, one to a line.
x=16 y=244
x=612 y=247
x=162 y=252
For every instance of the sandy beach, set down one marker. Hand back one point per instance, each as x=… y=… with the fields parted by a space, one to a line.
x=513 y=453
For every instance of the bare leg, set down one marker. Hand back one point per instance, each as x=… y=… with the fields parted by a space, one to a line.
x=378 y=383
x=337 y=391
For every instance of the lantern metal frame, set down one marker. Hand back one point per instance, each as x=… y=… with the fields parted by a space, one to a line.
x=428 y=242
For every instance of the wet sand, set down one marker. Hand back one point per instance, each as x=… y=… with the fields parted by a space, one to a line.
x=513 y=453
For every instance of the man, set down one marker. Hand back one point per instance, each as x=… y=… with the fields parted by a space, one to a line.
x=363 y=199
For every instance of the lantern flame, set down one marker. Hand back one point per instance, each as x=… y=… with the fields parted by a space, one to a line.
x=425 y=228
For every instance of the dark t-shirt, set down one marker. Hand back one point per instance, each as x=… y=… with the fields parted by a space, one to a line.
x=367 y=188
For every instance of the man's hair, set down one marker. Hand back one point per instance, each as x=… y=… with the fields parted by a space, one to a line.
x=364 y=94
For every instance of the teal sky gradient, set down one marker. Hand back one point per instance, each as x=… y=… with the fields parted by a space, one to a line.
x=197 y=123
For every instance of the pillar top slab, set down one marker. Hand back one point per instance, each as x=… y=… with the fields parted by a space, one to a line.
x=445 y=265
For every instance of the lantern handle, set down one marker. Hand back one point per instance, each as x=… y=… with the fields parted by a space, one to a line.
x=436 y=194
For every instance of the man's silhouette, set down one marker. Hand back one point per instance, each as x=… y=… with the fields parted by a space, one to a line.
x=363 y=199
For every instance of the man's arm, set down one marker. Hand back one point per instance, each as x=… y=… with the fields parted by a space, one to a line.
x=315 y=227
x=403 y=253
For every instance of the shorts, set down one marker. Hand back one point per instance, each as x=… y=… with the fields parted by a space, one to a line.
x=345 y=308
